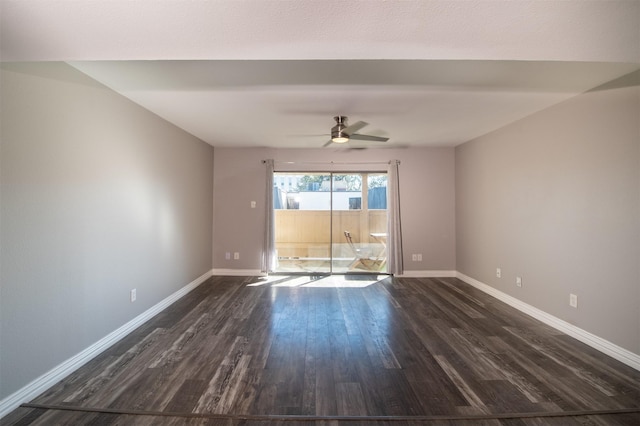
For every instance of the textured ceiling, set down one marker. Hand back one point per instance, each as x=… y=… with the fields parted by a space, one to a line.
x=274 y=73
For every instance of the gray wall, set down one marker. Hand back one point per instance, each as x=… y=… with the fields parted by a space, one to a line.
x=427 y=191
x=555 y=198
x=98 y=196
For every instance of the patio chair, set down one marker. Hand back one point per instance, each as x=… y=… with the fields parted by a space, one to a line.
x=362 y=256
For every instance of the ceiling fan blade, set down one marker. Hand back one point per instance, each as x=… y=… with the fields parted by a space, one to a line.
x=354 y=127
x=329 y=142
x=356 y=136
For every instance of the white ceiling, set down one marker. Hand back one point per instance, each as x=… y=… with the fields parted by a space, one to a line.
x=274 y=73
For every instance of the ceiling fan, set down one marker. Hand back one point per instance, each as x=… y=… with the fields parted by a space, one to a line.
x=342 y=133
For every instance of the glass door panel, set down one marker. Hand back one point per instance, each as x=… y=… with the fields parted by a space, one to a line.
x=302 y=210
x=377 y=212
x=359 y=223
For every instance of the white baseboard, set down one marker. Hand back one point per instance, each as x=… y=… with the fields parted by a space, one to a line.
x=621 y=354
x=58 y=373
x=427 y=274
x=238 y=272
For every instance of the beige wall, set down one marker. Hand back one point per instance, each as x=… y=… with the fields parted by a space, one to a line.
x=98 y=196
x=426 y=190
x=555 y=199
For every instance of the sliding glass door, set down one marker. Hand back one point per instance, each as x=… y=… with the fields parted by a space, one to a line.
x=330 y=222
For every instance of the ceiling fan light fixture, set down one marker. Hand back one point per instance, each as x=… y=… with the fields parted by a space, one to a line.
x=340 y=139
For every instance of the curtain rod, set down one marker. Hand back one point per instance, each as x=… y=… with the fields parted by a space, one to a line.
x=331 y=162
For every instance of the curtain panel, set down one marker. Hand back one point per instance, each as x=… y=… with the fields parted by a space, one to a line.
x=394 y=228
x=269 y=245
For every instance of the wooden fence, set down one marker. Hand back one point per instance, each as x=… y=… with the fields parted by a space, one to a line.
x=309 y=233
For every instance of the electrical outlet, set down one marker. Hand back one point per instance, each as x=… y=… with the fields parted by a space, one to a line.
x=133 y=295
x=498 y=272
x=236 y=256
x=253 y=204
x=519 y=281
x=573 y=300
x=227 y=255
x=414 y=257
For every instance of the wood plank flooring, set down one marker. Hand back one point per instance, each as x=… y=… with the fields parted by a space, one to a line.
x=400 y=351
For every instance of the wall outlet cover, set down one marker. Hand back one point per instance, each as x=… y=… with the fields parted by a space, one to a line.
x=573 y=300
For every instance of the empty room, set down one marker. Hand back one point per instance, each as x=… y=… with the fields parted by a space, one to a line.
x=319 y=212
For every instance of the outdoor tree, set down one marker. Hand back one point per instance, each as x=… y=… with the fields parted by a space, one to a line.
x=312 y=182
x=377 y=181
x=352 y=182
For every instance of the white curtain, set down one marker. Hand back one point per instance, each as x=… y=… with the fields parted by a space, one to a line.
x=394 y=230
x=269 y=247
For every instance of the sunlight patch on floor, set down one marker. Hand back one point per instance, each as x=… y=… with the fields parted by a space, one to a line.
x=331 y=281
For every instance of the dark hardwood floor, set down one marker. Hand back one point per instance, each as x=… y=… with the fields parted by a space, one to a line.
x=400 y=351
